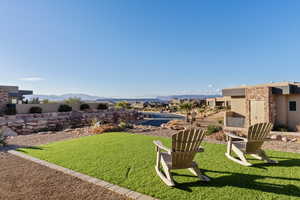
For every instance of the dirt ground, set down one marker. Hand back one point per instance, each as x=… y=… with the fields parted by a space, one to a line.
x=21 y=179
x=24 y=180
x=38 y=139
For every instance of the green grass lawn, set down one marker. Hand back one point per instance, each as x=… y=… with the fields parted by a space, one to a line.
x=128 y=160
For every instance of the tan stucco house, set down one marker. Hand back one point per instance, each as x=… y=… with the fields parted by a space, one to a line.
x=218 y=102
x=278 y=103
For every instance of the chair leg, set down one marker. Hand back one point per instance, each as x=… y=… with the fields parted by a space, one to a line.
x=166 y=177
x=242 y=159
x=197 y=172
x=261 y=155
x=229 y=145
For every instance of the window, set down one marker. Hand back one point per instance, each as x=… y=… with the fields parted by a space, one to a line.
x=292 y=105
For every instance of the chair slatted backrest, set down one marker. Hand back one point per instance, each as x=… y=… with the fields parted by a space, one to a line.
x=257 y=134
x=185 y=145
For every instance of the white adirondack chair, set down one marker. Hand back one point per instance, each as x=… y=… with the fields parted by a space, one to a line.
x=257 y=135
x=185 y=145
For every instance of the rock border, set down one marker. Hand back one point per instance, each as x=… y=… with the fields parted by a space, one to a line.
x=112 y=187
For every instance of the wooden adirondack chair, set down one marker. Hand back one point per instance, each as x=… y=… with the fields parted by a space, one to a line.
x=185 y=145
x=257 y=134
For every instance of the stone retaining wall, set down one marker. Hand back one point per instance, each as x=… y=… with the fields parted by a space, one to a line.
x=24 y=124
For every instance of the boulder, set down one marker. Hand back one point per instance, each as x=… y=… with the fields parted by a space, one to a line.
x=294 y=140
x=276 y=137
x=285 y=139
x=8 y=132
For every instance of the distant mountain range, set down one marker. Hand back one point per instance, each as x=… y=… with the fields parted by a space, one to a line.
x=62 y=97
x=188 y=96
x=87 y=97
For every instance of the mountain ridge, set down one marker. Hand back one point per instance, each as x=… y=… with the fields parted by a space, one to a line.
x=88 y=97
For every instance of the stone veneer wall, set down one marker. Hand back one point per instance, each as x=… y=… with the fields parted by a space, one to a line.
x=3 y=100
x=262 y=94
x=32 y=123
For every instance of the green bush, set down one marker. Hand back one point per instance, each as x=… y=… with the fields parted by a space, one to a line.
x=122 y=105
x=124 y=125
x=102 y=106
x=10 y=109
x=213 y=129
x=2 y=138
x=64 y=108
x=35 y=109
x=84 y=106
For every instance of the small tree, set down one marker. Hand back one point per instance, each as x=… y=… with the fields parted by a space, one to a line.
x=186 y=107
x=122 y=104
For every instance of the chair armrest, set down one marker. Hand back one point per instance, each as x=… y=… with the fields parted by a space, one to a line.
x=159 y=145
x=236 y=137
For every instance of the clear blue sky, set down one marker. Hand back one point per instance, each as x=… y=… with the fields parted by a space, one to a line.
x=134 y=48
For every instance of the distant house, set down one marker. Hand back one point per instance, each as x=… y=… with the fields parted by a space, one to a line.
x=278 y=103
x=12 y=95
x=218 y=102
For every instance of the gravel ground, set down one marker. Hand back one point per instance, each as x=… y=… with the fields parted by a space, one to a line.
x=24 y=180
x=38 y=139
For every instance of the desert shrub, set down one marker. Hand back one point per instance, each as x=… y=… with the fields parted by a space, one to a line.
x=10 y=109
x=102 y=106
x=64 y=108
x=213 y=129
x=124 y=125
x=2 y=138
x=220 y=121
x=35 y=109
x=123 y=104
x=281 y=128
x=84 y=106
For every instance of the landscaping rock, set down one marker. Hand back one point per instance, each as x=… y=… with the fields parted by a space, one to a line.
x=175 y=125
x=294 y=140
x=276 y=137
x=8 y=132
x=285 y=139
x=68 y=130
x=24 y=124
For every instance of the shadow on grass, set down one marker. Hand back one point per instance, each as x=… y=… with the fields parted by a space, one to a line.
x=248 y=181
x=18 y=148
x=281 y=163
